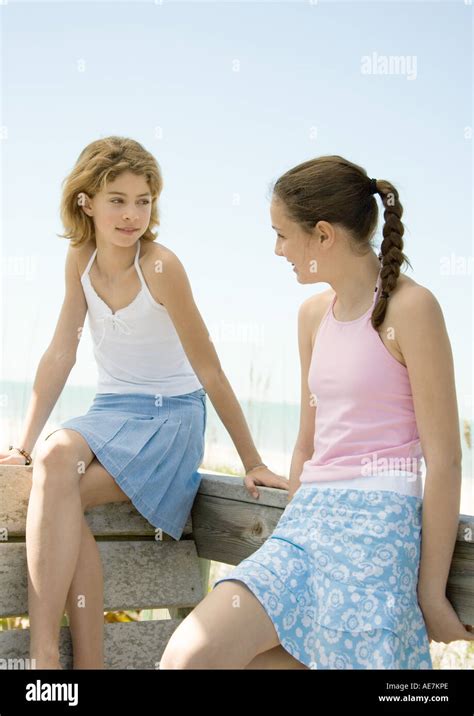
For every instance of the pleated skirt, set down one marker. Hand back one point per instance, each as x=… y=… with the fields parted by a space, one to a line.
x=338 y=578
x=152 y=446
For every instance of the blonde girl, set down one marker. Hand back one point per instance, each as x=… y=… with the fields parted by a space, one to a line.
x=142 y=439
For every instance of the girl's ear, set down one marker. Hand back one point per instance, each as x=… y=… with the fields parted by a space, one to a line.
x=84 y=201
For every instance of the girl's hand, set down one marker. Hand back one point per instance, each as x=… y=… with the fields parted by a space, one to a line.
x=442 y=622
x=267 y=478
x=12 y=457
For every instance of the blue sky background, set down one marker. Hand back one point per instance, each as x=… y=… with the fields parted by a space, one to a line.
x=165 y=75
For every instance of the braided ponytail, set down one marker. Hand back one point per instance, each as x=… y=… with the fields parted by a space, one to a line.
x=391 y=250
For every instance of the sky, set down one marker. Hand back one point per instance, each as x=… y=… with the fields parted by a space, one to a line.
x=228 y=96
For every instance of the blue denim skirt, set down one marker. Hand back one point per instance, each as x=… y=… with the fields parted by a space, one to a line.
x=152 y=446
x=338 y=578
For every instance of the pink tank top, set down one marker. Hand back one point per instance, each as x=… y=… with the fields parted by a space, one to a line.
x=365 y=420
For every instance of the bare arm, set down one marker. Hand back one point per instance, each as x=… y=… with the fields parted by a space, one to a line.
x=426 y=349
x=175 y=293
x=304 y=446
x=58 y=359
x=425 y=345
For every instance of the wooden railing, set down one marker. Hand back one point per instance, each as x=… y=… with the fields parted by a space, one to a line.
x=141 y=572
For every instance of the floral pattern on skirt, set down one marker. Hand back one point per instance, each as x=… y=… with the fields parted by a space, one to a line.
x=338 y=578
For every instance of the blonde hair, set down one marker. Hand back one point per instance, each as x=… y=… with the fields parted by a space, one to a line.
x=102 y=161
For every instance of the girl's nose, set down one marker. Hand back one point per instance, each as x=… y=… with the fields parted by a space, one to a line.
x=129 y=213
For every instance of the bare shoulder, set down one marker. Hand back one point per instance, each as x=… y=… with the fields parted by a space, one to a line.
x=160 y=264
x=81 y=255
x=312 y=310
x=154 y=253
x=163 y=272
x=407 y=289
x=408 y=299
x=412 y=310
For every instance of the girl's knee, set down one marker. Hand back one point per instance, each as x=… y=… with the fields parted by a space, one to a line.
x=186 y=654
x=56 y=460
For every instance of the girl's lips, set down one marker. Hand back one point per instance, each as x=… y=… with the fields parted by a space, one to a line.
x=128 y=231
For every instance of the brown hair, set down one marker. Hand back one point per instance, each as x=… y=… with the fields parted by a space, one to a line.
x=100 y=162
x=330 y=188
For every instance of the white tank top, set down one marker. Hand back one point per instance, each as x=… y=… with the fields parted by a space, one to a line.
x=137 y=348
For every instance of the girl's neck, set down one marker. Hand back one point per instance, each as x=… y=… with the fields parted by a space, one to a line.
x=114 y=260
x=354 y=284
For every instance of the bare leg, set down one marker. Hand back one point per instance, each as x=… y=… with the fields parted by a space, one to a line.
x=53 y=535
x=276 y=658
x=85 y=605
x=226 y=630
x=85 y=601
x=53 y=538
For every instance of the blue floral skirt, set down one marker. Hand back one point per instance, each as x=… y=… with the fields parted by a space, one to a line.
x=152 y=446
x=338 y=578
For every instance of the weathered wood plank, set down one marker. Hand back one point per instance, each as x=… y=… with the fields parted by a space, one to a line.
x=123 y=519
x=460 y=587
x=228 y=525
x=231 y=487
x=138 y=574
x=230 y=530
x=119 y=519
x=128 y=645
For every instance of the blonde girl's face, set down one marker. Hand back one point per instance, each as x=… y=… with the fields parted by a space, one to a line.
x=121 y=211
x=295 y=245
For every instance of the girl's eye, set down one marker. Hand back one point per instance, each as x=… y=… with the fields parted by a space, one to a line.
x=144 y=201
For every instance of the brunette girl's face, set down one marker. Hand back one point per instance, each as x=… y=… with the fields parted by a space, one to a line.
x=300 y=249
x=121 y=211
